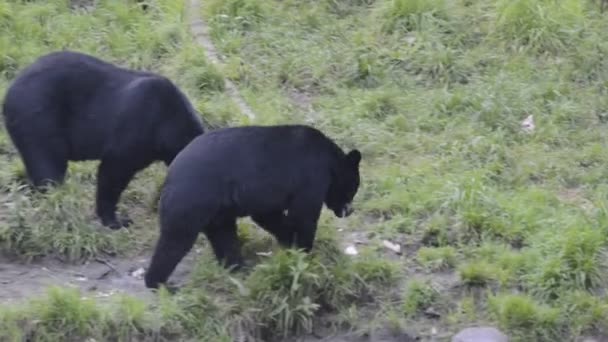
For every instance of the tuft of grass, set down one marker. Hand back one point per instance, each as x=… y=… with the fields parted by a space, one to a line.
x=439 y=258
x=574 y=259
x=418 y=297
x=195 y=72
x=478 y=273
x=346 y=7
x=525 y=317
x=238 y=14
x=410 y=14
x=540 y=24
x=291 y=288
x=58 y=223
x=64 y=314
x=285 y=291
x=584 y=312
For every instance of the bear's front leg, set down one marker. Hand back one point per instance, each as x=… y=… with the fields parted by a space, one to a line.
x=113 y=176
x=276 y=223
x=302 y=219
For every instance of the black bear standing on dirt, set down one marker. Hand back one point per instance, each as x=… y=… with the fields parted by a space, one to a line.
x=69 y=106
x=280 y=176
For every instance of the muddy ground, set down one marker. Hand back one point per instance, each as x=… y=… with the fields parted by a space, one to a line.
x=98 y=278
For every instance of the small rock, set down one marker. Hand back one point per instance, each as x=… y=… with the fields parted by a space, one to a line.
x=351 y=250
x=138 y=273
x=480 y=334
x=432 y=313
x=105 y=294
x=392 y=246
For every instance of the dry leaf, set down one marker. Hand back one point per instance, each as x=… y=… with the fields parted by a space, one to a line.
x=528 y=124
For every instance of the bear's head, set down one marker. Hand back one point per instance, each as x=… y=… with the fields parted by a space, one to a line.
x=344 y=184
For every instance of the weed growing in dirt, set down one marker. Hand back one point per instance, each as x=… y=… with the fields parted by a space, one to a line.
x=56 y=223
x=418 y=297
x=437 y=258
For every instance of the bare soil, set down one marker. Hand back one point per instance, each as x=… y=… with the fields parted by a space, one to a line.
x=98 y=278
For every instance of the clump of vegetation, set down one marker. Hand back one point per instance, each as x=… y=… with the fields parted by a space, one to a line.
x=410 y=14
x=59 y=222
x=575 y=259
x=291 y=288
x=238 y=14
x=525 y=317
x=478 y=273
x=540 y=24
x=438 y=258
x=418 y=297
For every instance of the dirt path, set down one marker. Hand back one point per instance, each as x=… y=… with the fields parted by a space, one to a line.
x=97 y=278
x=200 y=31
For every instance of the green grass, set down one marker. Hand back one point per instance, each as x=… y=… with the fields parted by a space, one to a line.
x=433 y=93
x=497 y=226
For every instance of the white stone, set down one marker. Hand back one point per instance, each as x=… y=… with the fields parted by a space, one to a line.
x=351 y=250
x=392 y=246
x=480 y=334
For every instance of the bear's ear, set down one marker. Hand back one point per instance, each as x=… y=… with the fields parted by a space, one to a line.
x=353 y=157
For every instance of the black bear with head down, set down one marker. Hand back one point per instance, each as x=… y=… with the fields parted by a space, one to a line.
x=69 y=106
x=280 y=176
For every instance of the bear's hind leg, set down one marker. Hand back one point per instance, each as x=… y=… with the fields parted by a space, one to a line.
x=170 y=250
x=113 y=176
x=222 y=235
x=45 y=162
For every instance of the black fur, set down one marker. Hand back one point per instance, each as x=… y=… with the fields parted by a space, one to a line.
x=69 y=106
x=255 y=171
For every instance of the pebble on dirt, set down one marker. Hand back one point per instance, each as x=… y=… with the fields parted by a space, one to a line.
x=138 y=273
x=392 y=246
x=351 y=250
x=480 y=334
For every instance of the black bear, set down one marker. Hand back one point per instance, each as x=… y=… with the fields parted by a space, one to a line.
x=69 y=106
x=280 y=176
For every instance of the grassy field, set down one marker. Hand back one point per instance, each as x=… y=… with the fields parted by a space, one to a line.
x=497 y=225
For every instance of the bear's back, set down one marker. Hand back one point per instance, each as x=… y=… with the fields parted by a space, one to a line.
x=236 y=153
